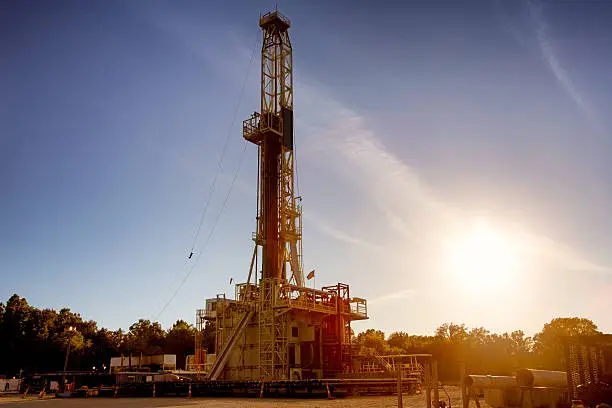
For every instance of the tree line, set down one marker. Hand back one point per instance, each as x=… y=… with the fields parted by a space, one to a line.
x=480 y=350
x=35 y=340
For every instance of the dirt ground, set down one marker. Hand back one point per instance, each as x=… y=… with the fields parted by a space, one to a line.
x=409 y=401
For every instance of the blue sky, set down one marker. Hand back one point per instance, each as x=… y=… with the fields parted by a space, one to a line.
x=453 y=160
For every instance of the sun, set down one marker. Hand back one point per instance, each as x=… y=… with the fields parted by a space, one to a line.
x=482 y=257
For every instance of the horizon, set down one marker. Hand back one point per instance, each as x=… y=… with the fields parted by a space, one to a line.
x=356 y=332
x=452 y=162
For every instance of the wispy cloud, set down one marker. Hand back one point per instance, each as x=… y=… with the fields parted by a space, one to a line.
x=403 y=198
x=549 y=55
x=558 y=254
x=402 y=294
x=187 y=31
x=327 y=228
x=509 y=24
x=394 y=188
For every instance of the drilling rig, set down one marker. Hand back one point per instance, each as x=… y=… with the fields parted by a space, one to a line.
x=275 y=328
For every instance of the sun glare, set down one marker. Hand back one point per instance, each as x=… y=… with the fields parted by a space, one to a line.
x=483 y=258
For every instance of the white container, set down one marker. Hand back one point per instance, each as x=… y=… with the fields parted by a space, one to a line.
x=541 y=378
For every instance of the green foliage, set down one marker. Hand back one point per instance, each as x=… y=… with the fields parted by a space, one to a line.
x=547 y=344
x=145 y=337
x=208 y=337
x=180 y=340
x=452 y=333
x=482 y=351
x=36 y=340
x=372 y=342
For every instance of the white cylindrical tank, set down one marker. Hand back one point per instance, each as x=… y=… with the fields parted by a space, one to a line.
x=478 y=381
x=541 y=378
x=502 y=381
x=490 y=381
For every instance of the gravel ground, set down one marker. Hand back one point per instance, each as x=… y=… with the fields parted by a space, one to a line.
x=410 y=401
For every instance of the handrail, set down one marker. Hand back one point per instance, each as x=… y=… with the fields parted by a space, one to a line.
x=222 y=357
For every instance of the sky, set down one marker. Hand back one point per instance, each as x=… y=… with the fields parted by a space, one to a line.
x=453 y=159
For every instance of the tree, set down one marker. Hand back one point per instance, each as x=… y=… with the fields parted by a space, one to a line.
x=478 y=336
x=180 y=340
x=72 y=338
x=403 y=342
x=548 y=345
x=519 y=343
x=146 y=337
x=104 y=344
x=14 y=333
x=208 y=336
x=399 y=340
x=372 y=342
x=453 y=333
x=35 y=340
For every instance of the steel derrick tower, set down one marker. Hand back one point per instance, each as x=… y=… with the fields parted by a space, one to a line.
x=279 y=226
x=275 y=328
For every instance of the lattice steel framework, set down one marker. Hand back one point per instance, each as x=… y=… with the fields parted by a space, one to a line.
x=337 y=330
x=291 y=221
x=199 y=358
x=279 y=225
x=273 y=348
x=585 y=360
x=277 y=98
x=276 y=64
x=278 y=297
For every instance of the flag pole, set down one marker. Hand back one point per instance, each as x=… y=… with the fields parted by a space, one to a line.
x=312 y=275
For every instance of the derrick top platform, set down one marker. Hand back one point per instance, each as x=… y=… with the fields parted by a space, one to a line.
x=328 y=300
x=274 y=18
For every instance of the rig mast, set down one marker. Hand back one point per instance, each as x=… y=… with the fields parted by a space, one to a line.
x=279 y=226
x=276 y=329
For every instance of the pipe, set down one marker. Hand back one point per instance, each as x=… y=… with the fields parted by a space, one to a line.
x=502 y=381
x=478 y=381
x=490 y=381
x=541 y=378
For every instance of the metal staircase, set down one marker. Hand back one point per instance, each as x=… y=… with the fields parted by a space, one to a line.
x=385 y=364
x=223 y=356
